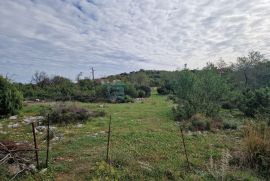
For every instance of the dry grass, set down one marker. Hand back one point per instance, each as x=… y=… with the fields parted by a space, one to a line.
x=256 y=148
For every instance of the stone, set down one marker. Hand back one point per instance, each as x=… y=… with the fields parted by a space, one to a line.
x=102 y=132
x=13 y=125
x=41 y=128
x=27 y=121
x=79 y=125
x=3 y=132
x=43 y=171
x=32 y=168
x=13 y=117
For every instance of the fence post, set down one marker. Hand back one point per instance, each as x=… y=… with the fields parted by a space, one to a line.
x=35 y=143
x=108 y=141
x=48 y=140
x=184 y=144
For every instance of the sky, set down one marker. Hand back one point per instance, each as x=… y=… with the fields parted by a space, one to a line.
x=66 y=37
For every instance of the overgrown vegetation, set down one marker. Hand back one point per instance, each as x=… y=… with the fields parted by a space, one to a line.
x=212 y=104
x=71 y=113
x=59 y=88
x=10 y=98
x=255 y=149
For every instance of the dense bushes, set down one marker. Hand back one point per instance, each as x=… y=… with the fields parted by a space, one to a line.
x=255 y=103
x=10 y=98
x=200 y=92
x=85 y=90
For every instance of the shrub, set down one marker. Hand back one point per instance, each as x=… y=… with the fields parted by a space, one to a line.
x=255 y=148
x=199 y=123
x=103 y=171
x=201 y=92
x=229 y=125
x=10 y=98
x=143 y=91
x=163 y=91
x=65 y=114
x=255 y=102
x=130 y=91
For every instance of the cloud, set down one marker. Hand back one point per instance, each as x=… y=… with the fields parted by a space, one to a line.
x=67 y=36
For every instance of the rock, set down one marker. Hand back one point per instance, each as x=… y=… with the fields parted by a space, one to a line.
x=31 y=119
x=43 y=171
x=39 y=117
x=27 y=121
x=79 y=125
x=13 y=117
x=32 y=168
x=52 y=128
x=102 y=132
x=3 y=132
x=189 y=133
x=41 y=128
x=56 y=138
x=13 y=125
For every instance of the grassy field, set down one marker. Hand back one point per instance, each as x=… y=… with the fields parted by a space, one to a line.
x=145 y=145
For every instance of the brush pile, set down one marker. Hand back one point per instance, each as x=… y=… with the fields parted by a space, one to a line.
x=16 y=158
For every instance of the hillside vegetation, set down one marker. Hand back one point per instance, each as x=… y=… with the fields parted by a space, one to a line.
x=207 y=124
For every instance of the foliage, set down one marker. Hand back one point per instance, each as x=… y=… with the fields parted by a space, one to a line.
x=140 y=79
x=10 y=98
x=103 y=171
x=255 y=102
x=255 y=148
x=163 y=91
x=200 y=92
x=65 y=114
x=143 y=91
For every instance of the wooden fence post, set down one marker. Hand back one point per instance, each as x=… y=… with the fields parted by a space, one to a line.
x=108 y=142
x=184 y=144
x=35 y=143
x=48 y=140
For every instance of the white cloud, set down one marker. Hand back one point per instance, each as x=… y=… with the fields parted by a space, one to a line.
x=67 y=36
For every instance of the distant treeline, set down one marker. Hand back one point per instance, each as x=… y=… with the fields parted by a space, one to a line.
x=58 y=88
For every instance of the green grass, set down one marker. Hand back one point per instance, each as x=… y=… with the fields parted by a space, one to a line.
x=145 y=144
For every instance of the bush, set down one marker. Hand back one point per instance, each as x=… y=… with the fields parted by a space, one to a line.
x=10 y=98
x=103 y=171
x=143 y=91
x=130 y=91
x=229 y=125
x=201 y=92
x=199 y=123
x=163 y=91
x=255 y=103
x=255 y=149
x=65 y=114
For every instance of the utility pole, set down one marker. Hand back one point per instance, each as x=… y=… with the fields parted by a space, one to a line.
x=93 y=73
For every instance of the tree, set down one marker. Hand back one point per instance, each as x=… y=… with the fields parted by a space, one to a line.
x=200 y=92
x=10 y=98
x=41 y=79
x=244 y=64
x=140 y=78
